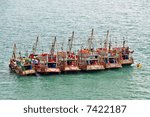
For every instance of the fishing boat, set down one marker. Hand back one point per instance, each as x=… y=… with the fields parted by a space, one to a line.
x=89 y=62
x=88 y=59
x=110 y=57
x=21 y=65
x=125 y=54
x=46 y=63
x=111 y=61
x=127 y=58
x=68 y=61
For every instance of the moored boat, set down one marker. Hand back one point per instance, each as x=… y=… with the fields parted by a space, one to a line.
x=88 y=58
x=111 y=62
x=46 y=63
x=127 y=58
x=24 y=67
x=89 y=61
x=110 y=58
x=21 y=65
x=125 y=54
x=68 y=61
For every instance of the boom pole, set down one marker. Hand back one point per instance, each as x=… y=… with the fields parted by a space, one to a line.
x=53 y=46
x=124 y=42
x=90 y=40
x=110 y=45
x=70 y=42
x=106 y=40
x=14 y=52
x=35 y=45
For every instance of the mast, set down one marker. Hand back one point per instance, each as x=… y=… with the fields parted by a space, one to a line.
x=53 y=46
x=70 y=42
x=42 y=50
x=100 y=43
x=35 y=45
x=26 y=52
x=62 y=47
x=90 y=40
x=124 y=42
x=14 y=52
x=116 y=42
x=106 y=40
x=110 y=44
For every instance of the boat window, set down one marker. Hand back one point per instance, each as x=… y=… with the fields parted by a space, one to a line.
x=112 y=60
x=125 y=56
x=91 y=62
x=106 y=60
x=27 y=67
x=94 y=62
x=51 y=65
x=71 y=63
x=34 y=61
x=88 y=62
x=68 y=62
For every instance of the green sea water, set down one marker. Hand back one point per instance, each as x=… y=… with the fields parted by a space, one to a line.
x=22 y=20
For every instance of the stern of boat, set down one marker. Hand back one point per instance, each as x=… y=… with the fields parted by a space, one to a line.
x=28 y=72
x=95 y=67
x=52 y=70
x=113 y=65
x=71 y=68
x=127 y=62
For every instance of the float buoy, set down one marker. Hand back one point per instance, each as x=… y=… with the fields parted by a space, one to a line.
x=139 y=65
